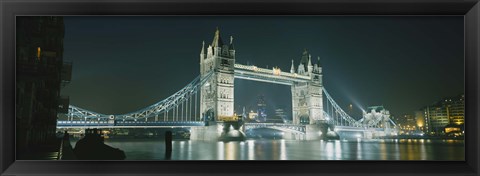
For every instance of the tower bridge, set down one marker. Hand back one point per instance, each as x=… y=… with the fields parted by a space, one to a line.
x=206 y=104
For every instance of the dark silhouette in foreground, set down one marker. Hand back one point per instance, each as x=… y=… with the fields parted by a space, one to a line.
x=168 y=145
x=91 y=147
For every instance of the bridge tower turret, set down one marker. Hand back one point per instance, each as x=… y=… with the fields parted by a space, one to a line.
x=217 y=95
x=310 y=66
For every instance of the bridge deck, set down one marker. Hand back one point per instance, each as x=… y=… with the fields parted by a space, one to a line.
x=127 y=124
x=276 y=76
x=186 y=124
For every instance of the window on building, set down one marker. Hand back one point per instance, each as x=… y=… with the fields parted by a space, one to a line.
x=39 y=52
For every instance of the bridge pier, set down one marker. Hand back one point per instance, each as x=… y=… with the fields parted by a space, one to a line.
x=228 y=131
x=294 y=136
x=205 y=133
x=321 y=130
x=315 y=131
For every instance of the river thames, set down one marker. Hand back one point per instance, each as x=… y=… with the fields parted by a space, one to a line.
x=269 y=149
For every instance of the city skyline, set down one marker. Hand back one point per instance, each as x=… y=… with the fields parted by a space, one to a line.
x=122 y=64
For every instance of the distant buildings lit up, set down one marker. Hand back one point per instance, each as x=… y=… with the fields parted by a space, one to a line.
x=444 y=117
x=448 y=112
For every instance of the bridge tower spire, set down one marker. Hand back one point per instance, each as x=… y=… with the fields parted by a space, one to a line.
x=317 y=68
x=203 y=56
x=292 y=68
x=310 y=66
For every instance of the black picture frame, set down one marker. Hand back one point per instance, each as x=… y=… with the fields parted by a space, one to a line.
x=9 y=9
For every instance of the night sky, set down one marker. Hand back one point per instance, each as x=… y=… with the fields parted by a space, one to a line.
x=122 y=64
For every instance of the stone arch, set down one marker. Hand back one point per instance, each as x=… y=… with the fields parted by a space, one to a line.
x=304 y=119
x=209 y=115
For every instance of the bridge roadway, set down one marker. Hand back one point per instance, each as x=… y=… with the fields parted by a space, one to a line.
x=359 y=129
x=277 y=126
x=127 y=124
x=186 y=124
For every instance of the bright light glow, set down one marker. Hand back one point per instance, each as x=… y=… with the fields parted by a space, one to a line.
x=276 y=71
x=358 y=135
x=39 y=51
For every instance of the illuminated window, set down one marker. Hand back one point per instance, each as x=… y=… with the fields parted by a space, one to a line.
x=39 y=51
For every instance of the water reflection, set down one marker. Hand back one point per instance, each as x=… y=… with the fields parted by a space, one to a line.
x=242 y=150
x=359 y=151
x=329 y=150
x=251 y=151
x=394 y=149
x=423 y=152
x=283 y=151
x=220 y=150
x=231 y=149
x=383 y=151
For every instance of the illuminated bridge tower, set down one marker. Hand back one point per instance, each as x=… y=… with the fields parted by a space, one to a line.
x=307 y=98
x=217 y=94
